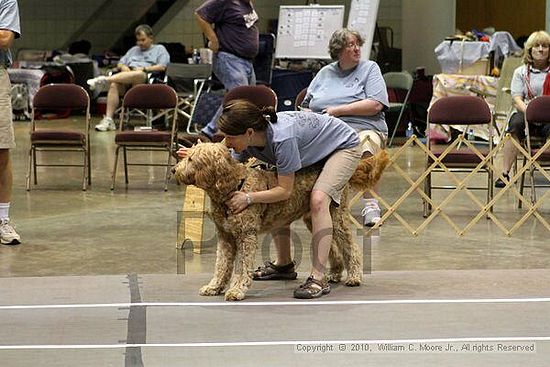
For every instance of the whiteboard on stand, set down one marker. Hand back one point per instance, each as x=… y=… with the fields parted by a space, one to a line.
x=362 y=18
x=304 y=31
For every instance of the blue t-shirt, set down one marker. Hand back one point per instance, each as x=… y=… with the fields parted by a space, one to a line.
x=9 y=20
x=301 y=139
x=333 y=86
x=154 y=55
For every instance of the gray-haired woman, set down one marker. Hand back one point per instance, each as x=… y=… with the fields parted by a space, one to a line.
x=354 y=91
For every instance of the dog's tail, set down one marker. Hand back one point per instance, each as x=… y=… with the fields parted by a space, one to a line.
x=369 y=170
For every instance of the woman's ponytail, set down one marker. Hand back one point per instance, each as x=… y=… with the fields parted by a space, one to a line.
x=269 y=114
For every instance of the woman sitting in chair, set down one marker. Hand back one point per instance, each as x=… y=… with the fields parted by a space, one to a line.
x=354 y=91
x=529 y=81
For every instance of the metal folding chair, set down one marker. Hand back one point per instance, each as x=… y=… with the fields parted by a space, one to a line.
x=144 y=97
x=60 y=97
x=459 y=155
x=538 y=111
x=189 y=80
x=400 y=82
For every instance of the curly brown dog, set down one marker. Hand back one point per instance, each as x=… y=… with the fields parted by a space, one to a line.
x=211 y=167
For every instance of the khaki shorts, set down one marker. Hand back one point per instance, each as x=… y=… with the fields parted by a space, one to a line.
x=7 y=138
x=337 y=171
x=372 y=141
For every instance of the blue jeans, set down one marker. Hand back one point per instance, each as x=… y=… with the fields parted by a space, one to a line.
x=233 y=72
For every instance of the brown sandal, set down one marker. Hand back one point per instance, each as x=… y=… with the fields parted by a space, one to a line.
x=312 y=288
x=270 y=271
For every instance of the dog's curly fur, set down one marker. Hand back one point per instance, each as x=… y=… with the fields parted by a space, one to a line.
x=210 y=167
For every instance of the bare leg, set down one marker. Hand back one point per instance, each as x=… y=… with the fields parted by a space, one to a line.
x=128 y=77
x=6 y=176
x=322 y=232
x=113 y=98
x=281 y=238
x=510 y=155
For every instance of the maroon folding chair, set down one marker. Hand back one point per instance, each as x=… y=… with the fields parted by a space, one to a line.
x=49 y=137
x=146 y=97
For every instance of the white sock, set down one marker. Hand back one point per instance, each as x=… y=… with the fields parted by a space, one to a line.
x=370 y=202
x=4 y=211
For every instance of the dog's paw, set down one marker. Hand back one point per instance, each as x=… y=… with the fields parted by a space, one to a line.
x=234 y=294
x=334 y=277
x=209 y=290
x=353 y=281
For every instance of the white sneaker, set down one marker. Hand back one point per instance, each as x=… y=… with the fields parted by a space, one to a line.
x=97 y=83
x=106 y=124
x=8 y=236
x=371 y=213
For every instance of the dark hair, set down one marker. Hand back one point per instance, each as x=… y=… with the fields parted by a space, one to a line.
x=145 y=30
x=239 y=115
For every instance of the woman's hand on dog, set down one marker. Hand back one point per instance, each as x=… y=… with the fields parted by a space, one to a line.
x=237 y=202
x=182 y=152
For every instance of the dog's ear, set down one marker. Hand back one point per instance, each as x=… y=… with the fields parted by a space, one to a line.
x=229 y=173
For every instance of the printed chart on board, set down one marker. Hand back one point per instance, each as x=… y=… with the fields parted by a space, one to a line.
x=362 y=18
x=304 y=31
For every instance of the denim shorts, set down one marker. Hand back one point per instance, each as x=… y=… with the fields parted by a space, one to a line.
x=233 y=71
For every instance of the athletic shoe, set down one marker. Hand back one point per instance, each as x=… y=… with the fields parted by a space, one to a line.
x=106 y=124
x=8 y=236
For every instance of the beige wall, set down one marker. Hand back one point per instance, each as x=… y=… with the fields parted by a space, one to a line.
x=425 y=24
x=48 y=24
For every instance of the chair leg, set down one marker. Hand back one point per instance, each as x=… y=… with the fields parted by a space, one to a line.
x=167 y=176
x=84 y=171
x=533 y=192
x=490 y=189
x=114 y=168
x=125 y=165
x=29 y=171
x=396 y=126
x=89 y=157
x=34 y=166
x=428 y=191
x=521 y=184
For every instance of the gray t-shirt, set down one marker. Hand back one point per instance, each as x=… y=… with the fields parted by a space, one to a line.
x=519 y=82
x=235 y=25
x=9 y=20
x=333 y=86
x=300 y=139
x=137 y=58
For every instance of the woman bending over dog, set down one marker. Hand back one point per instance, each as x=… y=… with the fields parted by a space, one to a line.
x=291 y=141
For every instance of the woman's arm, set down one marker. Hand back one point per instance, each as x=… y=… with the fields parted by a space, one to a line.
x=240 y=200
x=519 y=104
x=365 y=107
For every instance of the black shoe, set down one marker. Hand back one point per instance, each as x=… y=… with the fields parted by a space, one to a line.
x=499 y=183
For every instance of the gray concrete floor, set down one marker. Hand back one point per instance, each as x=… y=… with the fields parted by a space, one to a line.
x=119 y=248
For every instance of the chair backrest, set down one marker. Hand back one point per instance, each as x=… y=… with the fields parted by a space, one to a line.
x=300 y=98
x=61 y=96
x=459 y=110
x=503 y=102
x=263 y=62
x=398 y=80
x=150 y=96
x=260 y=95
x=538 y=110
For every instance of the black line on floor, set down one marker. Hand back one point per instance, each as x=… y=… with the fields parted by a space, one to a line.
x=137 y=325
